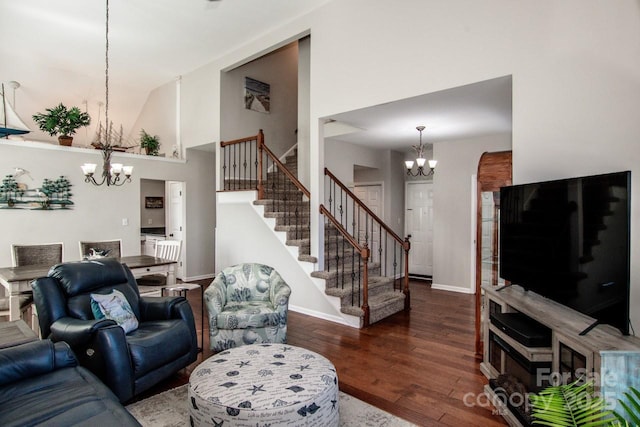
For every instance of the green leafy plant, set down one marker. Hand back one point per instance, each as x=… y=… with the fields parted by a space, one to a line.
x=570 y=405
x=575 y=405
x=631 y=408
x=150 y=143
x=61 y=120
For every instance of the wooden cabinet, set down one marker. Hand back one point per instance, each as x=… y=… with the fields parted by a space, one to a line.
x=494 y=171
x=569 y=356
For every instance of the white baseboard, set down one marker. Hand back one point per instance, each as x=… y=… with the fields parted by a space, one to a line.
x=451 y=288
x=324 y=316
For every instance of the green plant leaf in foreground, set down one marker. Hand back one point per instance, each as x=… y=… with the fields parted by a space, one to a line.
x=570 y=405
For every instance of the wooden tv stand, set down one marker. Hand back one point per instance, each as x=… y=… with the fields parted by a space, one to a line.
x=569 y=350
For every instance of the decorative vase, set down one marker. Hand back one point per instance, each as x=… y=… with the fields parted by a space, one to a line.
x=65 y=140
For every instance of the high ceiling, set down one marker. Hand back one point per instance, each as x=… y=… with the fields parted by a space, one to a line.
x=56 y=49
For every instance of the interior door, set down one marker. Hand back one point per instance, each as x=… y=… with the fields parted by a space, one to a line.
x=175 y=219
x=371 y=196
x=419 y=225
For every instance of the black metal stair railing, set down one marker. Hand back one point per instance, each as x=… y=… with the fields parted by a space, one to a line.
x=387 y=249
x=350 y=261
x=248 y=164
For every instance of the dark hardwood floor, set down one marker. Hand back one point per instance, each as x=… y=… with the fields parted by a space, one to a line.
x=419 y=366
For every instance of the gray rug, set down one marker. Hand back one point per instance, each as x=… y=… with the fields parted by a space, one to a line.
x=169 y=409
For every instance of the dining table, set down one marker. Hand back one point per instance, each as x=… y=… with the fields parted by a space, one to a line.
x=17 y=280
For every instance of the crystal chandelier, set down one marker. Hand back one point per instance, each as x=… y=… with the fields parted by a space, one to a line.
x=420 y=160
x=107 y=138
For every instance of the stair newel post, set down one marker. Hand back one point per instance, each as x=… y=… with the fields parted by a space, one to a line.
x=407 y=299
x=260 y=156
x=364 y=254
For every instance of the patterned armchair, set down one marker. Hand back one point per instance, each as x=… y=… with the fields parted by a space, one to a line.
x=247 y=304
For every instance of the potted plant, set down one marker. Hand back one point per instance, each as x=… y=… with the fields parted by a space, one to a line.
x=62 y=121
x=151 y=144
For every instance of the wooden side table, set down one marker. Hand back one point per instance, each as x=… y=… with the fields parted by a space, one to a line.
x=15 y=333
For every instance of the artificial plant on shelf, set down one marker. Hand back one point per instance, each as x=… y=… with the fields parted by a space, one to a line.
x=151 y=144
x=62 y=121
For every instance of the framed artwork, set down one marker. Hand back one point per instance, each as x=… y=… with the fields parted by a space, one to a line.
x=154 y=202
x=257 y=95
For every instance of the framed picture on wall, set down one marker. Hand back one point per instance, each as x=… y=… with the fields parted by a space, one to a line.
x=154 y=202
x=257 y=95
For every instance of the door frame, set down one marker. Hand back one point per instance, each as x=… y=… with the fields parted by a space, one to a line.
x=181 y=269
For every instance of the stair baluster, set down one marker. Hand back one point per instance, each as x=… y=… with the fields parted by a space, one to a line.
x=387 y=252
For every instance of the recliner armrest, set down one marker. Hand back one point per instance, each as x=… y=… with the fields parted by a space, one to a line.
x=159 y=308
x=77 y=332
x=34 y=358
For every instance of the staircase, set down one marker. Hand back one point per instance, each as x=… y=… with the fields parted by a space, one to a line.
x=284 y=202
x=369 y=295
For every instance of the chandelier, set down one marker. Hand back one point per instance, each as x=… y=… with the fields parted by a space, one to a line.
x=420 y=160
x=106 y=138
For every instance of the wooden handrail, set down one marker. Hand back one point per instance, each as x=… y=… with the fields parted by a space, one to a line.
x=344 y=232
x=286 y=171
x=366 y=209
x=238 y=141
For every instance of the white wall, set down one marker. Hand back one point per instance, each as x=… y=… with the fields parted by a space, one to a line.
x=242 y=235
x=98 y=211
x=158 y=117
x=574 y=65
x=279 y=69
x=304 y=99
x=452 y=209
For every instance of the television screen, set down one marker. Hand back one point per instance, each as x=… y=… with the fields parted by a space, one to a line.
x=568 y=240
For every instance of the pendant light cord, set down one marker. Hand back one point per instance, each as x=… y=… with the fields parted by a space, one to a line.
x=106 y=78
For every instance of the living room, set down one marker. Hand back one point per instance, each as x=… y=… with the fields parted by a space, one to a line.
x=575 y=81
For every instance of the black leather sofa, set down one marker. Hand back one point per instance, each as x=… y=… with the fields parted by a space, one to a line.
x=41 y=384
x=164 y=342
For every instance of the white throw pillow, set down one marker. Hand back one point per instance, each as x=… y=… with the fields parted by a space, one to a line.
x=114 y=306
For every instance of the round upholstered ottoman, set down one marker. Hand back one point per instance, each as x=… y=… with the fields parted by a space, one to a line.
x=264 y=384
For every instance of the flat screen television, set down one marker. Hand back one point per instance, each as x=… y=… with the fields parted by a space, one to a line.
x=568 y=240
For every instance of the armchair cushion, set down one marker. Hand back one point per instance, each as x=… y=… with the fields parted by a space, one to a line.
x=241 y=315
x=156 y=342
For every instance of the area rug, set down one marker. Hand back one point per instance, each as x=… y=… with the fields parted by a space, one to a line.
x=169 y=409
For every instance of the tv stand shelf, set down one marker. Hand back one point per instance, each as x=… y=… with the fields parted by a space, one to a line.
x=569 y=356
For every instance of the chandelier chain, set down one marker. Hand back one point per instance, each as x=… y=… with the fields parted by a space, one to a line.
x=106 y=73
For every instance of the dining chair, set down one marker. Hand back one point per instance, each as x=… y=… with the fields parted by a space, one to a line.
x=41 y=253
x=167 y=249
x=101 y=248
x=32 y=254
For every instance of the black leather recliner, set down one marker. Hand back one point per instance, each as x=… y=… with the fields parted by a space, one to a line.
x=164 y=342
x=41 y=384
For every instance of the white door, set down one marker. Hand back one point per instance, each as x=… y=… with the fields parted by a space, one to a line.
x=419 y=224
x=371 y=196
x=175 y=219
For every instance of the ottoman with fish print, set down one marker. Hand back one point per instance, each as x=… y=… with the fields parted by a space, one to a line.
x=262 y=385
